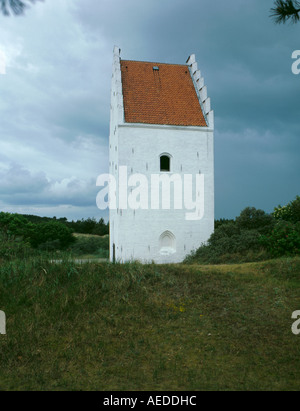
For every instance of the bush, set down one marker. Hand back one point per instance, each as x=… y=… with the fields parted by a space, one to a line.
x=229 y=245
x=52 y=233
x=91 y=245
x=284 y=239
x=12 y=226
x=18 y=233
x=236 y=241
x=253 y=236
x=289 y=212
x=224 y=231
x=253 y=219
x=222 y=221
x=14 y=249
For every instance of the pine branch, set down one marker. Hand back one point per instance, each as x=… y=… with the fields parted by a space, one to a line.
x=16 y=7
x=285 y=10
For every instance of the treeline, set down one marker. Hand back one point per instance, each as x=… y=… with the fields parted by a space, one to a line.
x=89 y=226
x=83 y=226
x=20 y=234
x=253 y=236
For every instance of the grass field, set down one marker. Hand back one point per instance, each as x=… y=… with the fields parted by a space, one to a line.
x=90 y=247
x=149 y=327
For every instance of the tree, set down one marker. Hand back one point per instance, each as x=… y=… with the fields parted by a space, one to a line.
x=50 y=235
x=254 y=219
x=285 y=10
x=11 y=226
x=15 y=6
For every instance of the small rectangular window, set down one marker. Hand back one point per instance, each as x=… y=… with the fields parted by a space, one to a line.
x=164 y=163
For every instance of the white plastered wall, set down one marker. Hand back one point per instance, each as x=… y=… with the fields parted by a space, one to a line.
x=137 y=234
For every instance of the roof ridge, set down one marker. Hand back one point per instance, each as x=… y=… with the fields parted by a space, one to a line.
x=155 y=62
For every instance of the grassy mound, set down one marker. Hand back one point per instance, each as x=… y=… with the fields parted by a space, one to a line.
x=149 y=327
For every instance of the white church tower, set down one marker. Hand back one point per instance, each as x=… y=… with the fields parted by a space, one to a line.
x=161 y=147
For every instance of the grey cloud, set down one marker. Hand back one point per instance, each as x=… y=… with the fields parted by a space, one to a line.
x=55 y=98
x=19 y=186
x=16 y=179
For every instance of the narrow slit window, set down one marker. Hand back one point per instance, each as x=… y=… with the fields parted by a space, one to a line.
x=165 y=163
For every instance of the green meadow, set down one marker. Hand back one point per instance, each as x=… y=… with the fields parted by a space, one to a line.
x=103 y=326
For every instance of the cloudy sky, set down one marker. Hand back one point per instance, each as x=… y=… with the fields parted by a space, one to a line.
x=55 y=97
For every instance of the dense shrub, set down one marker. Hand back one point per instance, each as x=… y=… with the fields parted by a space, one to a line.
x=11 y=249
x=222 y=221
x=51 y=234
x=91 y=245
x=224 y=231
x=289 y=212
x=253 y=219
x=284 y=239
x=241 y=246
x=18 y=233
x=12 y=226
x=236 y=241
x=254 y=235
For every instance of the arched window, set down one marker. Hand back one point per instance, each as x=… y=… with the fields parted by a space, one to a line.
x=167 y=243
x=165 y=163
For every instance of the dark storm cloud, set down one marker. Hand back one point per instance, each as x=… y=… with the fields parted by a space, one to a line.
x=19 y=186
x=246 y=62
x=55 y=97
x=16 y=179
x=53 y=113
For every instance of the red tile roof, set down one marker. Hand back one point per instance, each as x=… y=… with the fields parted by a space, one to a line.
x=163 y=96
